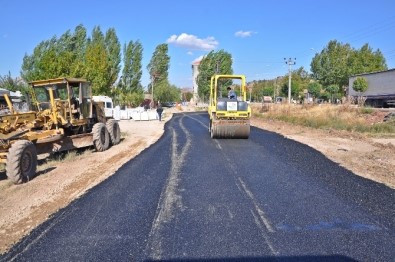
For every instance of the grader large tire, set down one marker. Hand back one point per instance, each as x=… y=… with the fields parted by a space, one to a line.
x=101 y=138
x=21 y=161
x=114 y=131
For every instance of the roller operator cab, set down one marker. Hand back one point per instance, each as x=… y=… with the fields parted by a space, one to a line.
x=228 y=109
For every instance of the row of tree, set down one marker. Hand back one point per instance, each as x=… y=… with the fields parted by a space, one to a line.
x=97 y=58
x=331 y=70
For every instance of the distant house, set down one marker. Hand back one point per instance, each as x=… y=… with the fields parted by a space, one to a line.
x=381 y=88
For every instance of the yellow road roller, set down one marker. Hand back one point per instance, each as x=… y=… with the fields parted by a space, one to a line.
x=228 y=108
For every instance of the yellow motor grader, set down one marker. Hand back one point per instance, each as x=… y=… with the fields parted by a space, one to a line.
x=64 y=118
x=229 y=115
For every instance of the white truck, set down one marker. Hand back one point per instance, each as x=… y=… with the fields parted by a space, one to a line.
x=110 y=110
x=108 y=105
x=381 y=88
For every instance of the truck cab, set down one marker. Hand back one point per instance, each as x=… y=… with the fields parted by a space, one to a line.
x=108 y=105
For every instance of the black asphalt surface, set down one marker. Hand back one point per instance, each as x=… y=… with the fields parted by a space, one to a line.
x=190 y=197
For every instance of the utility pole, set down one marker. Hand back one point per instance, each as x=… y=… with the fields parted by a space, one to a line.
x=153 y=77
x=152 y=86
x=289 y=62
x=250 y=89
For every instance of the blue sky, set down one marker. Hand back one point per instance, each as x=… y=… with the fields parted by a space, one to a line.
x=258 y=34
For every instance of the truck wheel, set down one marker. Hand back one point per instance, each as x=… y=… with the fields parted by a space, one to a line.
x=114 y=131
x=21 y=161
x=101 y=138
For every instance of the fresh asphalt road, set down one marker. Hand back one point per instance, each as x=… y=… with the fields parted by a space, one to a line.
x=189 y=197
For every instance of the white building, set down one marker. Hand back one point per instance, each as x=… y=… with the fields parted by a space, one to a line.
x=195 y=73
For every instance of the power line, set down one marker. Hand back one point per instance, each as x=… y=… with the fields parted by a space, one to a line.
x=373 y=29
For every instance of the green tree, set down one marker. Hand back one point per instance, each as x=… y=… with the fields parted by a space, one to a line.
x=267 y=91
x=131 y=99
x=78 y=46
x=314 y=89
x=57 y=57
x=113 y=48
x=42 y=63
x=219 y=62
x=74 y=55
x=295 y=89
x=299 y=82
x=337 y=62
x=132 y=70
x=165 y=92
x=13 y=84
x=332 y=89
x=102 y=59
x=332 y=65
x=360 y=85
x=97 y=63
x=158 y=68
x=187 y=96
x=271 y=87
x=366 y=60
x=130 y=87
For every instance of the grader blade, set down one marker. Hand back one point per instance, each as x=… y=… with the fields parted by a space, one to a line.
x=66 y=143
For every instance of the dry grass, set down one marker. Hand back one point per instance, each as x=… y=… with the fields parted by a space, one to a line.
x=69 y=156
x=339 y=117
x=124 y=134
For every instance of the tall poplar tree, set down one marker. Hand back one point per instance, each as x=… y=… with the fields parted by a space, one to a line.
x=78 y=45
x=159 y=64
x=137 y=72
x=102 y=60
x=132 y=70
x=113 y=48
x=131 y=90
x=158 y=69
x=97 y=63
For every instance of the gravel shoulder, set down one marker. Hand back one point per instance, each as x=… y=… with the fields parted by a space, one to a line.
x=23 y=207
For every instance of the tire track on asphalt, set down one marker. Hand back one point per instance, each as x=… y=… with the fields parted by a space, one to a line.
x=260 y=217
x=197 y=120
x=169 y=200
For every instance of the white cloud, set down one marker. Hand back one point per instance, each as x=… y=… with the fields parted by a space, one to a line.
x=189 y=53
x=193 y=42
x=243 y=34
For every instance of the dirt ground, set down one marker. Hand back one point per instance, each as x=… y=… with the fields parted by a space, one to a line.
x=23 y=207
